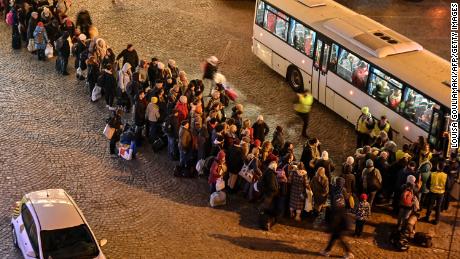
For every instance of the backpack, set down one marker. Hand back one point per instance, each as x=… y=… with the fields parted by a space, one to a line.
x=373 y=183
x=423 y=239
x=10 y=19
x=407 y=198
x=40 y=37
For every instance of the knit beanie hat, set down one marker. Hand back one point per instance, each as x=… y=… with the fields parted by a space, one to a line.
x=410 y=179
x=350 y=160
x=369 y=163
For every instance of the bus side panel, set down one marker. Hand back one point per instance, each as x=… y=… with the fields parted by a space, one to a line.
x=262 y=52
x=280 y=65
x=330 y=97
x=346 y=109
x=306 y=80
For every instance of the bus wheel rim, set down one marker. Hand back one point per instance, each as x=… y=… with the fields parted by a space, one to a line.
x=295 y=78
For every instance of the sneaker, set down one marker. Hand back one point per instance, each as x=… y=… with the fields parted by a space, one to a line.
x=348 y=256
x=325 y=253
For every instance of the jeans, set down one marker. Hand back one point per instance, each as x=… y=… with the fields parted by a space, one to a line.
x=432 y=199
x=305 y=118
x=403 y=216
x=153 y=130
x=184 y=158
x=172 y=148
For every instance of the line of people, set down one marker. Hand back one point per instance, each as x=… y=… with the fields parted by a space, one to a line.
x=215 y=139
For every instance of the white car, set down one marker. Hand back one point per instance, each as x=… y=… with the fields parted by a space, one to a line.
x=48 y=224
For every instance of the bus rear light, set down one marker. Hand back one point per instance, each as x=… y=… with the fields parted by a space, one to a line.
x=351 y=92
x=406 y=128
x=261 y=34
x=303 y=61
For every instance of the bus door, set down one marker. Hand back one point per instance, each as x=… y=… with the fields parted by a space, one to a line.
x=439 y=124
x=319 y=73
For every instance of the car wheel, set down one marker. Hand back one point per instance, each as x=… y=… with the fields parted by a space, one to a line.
x=13 y=235
x=295 y=79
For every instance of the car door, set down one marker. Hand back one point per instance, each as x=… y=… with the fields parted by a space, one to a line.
x=27 y=234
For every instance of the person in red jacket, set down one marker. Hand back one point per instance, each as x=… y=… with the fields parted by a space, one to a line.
x=218 y=170
x=182 y=108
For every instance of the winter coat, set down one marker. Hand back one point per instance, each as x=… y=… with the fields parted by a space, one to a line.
x=139 y=113
x=328 y=166
x=235 y=159
x=309 y=153
x=299 y=183
x=370 y=172
x=278 y=140
x=268 y=184
x=130 y=57
x=320 y=189
x=363 y=211
x=40 y=38
x=350 y=183
x=260 y=131
x=153 y=112
x=108 y=83
x=124 y=77
x=185 y=139
x=65 y=49
x=31 y=27
x=217 y=171
x=425 y=171
x=183 y=111
x=196 y=122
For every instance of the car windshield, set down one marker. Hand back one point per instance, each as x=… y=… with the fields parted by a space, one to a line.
x=75 y=242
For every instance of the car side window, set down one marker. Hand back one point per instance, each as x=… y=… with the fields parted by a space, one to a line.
x=27 y=218
x=33 y=238
x=30 y=227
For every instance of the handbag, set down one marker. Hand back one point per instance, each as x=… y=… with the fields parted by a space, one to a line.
x=31 y=45
x=108 y=131
x=246 y=173
x=217 y=199
x=96 y=94
x=49 y=51
x=220 y=184
x=125 y=152
x=351 y=202
x=308 y=200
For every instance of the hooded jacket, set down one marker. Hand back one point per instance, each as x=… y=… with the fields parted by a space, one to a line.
x=185 y=139
x=124 y=77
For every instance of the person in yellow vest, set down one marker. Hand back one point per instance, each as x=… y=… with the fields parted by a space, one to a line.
x=436 y=183
x=303 y=109
x=363 y=126
x=382 y=125
x=403 y=153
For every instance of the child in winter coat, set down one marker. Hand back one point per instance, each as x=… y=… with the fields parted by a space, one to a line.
x=362 y=214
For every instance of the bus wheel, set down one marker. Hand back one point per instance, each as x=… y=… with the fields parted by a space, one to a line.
x=295 y=79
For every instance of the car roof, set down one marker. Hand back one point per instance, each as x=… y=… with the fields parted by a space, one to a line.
x=54 y=209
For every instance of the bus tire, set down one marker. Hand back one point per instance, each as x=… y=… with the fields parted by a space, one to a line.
x=294 y=78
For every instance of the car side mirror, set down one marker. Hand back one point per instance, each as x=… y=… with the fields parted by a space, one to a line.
x=31 y=254
x=103 y=242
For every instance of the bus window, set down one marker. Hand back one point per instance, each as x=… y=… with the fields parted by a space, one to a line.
x=385 y=89
x=260 y=13
x=417 y=108
x=276 y=22
x=345 y=65
x=325 y=58
x=301 y=38
x=334 y=58
x=319 y=45
x=353 y=69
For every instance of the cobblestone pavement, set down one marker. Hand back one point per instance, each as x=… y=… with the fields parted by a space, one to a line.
x=51 y=138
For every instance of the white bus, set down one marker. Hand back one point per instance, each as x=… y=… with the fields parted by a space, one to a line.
x=349 y=61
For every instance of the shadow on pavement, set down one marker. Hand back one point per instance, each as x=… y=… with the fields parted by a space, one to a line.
x=262 y=244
